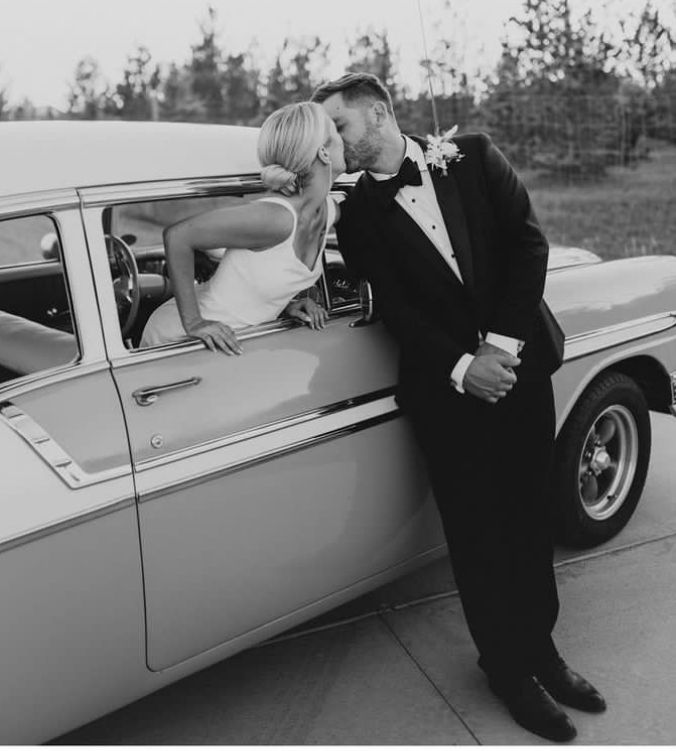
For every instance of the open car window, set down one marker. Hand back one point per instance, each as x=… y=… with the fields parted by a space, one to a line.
x=136 y=229
x=37 y=330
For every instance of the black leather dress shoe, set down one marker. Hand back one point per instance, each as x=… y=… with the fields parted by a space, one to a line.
x=534 y=709
x=570 y=688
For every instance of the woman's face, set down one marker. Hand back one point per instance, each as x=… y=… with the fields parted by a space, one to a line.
x=334 y=146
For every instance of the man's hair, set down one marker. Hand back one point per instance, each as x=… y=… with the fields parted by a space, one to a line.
x=355 y=87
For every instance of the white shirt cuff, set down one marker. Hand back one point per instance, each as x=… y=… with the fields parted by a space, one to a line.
x=509 y=344
x=458 y=372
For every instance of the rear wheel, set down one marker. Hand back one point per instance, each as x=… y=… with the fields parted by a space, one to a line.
x=602 y=456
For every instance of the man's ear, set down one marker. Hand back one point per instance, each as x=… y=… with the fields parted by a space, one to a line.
x=323 y=155
x=380 y=112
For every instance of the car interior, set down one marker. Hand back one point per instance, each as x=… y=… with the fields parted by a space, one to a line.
x=36 y=325
x=37 y=330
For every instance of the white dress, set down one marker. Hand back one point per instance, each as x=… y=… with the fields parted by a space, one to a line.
x=248 y=287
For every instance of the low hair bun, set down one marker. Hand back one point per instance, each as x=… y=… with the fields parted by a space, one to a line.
x=276 y=178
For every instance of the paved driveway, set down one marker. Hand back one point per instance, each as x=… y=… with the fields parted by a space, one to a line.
x=397 y=666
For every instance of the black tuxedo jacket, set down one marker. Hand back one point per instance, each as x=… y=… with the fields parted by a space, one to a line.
x=501 y=253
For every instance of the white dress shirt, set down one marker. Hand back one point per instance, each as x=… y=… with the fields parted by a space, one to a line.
x=420 y=203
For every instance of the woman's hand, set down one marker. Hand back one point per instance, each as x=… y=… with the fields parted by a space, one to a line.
x=216 y=335
x=309 y=312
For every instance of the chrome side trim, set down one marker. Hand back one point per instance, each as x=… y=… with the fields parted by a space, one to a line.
x=42 y=201
x=72 y=521
x=157 y=190
x=52 y=453
x=43 y=378
x=227 y=469
x=268 y=428
x=621 y=333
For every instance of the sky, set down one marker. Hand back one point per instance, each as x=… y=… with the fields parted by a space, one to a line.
x=41 y=41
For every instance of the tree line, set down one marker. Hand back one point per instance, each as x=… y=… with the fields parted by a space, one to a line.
x=568 y=95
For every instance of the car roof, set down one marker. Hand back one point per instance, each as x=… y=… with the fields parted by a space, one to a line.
x=54 y=154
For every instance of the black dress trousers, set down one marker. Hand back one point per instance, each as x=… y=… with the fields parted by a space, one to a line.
x=489 y=466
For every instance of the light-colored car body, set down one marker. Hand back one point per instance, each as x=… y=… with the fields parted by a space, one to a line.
x=144 y=536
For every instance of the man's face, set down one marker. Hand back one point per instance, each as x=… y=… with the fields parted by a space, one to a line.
x=335 y=148
x=357 y=126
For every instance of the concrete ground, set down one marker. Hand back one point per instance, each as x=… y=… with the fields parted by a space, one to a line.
x=397 y=666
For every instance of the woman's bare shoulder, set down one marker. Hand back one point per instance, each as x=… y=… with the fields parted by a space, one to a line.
x=257 y=225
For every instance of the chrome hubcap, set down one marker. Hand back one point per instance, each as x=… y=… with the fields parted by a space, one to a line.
x=608 y=462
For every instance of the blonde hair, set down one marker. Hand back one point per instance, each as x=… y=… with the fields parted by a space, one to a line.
x=288 y=143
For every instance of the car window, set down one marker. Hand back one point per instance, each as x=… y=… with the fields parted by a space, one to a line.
x=145 y=221
x=28 y=239
x=37 y=329
x=136 y=229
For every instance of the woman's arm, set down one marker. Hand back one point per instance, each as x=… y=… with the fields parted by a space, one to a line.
x=255 y=226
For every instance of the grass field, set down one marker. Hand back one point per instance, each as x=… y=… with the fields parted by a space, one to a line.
x=630 y=212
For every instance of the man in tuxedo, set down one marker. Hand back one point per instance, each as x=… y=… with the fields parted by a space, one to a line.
x=457 y=263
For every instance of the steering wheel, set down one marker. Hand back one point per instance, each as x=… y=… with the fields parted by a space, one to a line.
x=126 y=285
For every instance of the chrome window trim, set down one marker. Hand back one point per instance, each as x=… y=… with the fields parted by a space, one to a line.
x=51 y=452
x=41 y=202
x=265 y=429
x=165 y=189
x=211 y=474
x=672 y=406
x=42 y=268
x=186 y=187
x=175 y=349
x=588 y=342
x=23 y=538
x=345 y=308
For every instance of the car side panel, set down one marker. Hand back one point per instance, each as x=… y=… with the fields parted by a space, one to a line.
x=285 y=477
x=71 y=588
x=237 y=552
x=72 y=630
x=280 y=374
x=575 y=375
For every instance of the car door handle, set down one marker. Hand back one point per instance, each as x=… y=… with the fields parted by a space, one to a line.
x=148 y=395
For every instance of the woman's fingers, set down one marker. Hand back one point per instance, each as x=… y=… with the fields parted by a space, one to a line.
x=319 y=316
x=230 y=340
x=218 y=336
x=208 y=341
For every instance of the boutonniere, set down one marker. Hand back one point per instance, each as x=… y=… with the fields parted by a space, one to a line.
x=442 y=150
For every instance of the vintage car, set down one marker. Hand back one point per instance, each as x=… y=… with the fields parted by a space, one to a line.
x=164 y=508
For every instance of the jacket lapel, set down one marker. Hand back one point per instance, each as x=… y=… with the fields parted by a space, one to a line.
x=448 y=198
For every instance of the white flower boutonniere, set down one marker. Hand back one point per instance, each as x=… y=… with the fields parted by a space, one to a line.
x=442 y=150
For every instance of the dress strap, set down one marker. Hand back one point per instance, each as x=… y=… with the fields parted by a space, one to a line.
x=330 y=213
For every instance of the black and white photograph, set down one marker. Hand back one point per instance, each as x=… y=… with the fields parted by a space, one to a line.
x=337 y=372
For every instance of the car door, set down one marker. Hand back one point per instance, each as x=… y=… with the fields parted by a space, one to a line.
x=70 y=568
x=267 y=483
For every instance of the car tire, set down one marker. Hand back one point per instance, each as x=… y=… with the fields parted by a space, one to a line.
x=601 y=461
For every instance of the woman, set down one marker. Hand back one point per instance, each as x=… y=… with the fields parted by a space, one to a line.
x=275 y=244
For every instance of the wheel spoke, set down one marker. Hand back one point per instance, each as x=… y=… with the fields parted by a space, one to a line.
x=605 y=430
x=589 y=488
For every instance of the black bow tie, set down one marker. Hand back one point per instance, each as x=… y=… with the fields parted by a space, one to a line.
x=409 y=174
